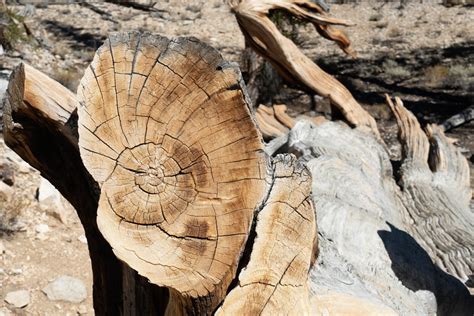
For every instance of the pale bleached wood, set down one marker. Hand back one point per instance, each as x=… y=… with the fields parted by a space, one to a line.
x=263 y=36
x=398 y=245
x=436 y=189
x=274 y=282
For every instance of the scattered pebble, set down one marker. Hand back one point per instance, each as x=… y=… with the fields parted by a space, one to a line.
x=7 y=173
x=42 y=228
x=82 y=310
x=2 y=247
x=82 y=239
x=19 y=298
x=16 y=271
x=50 y=201
x=6 y=192
x=5 y=312
x=66 y=288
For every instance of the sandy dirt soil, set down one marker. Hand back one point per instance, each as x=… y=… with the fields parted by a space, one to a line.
x=423 y=53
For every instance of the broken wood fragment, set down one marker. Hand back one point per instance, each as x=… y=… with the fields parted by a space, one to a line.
x=275 y=279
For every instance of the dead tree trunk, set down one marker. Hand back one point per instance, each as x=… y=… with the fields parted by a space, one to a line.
x=185 y=213
x=168 y=175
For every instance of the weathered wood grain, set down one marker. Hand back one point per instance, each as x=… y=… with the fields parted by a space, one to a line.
x=166 y=132
x=275 y=279
x=265 y=38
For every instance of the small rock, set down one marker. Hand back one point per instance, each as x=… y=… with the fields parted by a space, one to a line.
x=7 y=172
x=82 y=239
x=82 y=310
x=5 y=312
x=42 y=228
x=6 y=192
x=66 y=288
x=16 y=271
x=19 y=298
x=2 y=247
x=50 y=201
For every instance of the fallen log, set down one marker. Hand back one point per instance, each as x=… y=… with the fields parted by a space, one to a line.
x=459 y=119
x=406 y=244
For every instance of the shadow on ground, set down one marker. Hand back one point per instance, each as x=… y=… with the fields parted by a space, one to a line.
x=433 y=82
x=79 y=39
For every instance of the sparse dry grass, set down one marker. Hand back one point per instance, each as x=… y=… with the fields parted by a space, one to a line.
x=68 y=77
x=456 y=76
x=395 y=71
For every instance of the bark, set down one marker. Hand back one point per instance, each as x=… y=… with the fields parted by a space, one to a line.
x=169 y=177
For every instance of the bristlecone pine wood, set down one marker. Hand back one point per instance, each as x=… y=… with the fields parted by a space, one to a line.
x=265 y=38
x=414 y=224
x=389 y=241
x=166 y=132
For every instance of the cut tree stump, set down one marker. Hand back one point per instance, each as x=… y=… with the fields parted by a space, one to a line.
x=169 y=175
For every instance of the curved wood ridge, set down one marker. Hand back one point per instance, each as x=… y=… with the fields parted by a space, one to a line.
x=165 y=130
x=275 y=281
x=294 y=66
x=436 y=186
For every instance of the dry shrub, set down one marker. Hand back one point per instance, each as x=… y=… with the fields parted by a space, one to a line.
x=460 y=77
x=436 y=75
x=455 y=76
x=11 y=28
x=394 y=70
x=10 y=209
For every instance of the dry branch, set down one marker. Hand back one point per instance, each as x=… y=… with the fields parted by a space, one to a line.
x=265 y=38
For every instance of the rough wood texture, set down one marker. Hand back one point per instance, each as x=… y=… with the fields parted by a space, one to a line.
x=263 y=36
x=40 y=124
x=436 y=190
x=386 y=242
x=275 y=279
x=166 y=132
